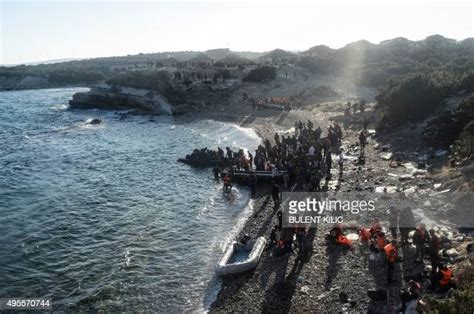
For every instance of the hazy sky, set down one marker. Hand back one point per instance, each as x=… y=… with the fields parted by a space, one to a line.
x=44 y=30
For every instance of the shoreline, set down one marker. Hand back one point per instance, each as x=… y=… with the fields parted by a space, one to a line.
x=287 y=284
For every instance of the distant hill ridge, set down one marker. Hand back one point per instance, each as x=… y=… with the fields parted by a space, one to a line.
x=364 y=62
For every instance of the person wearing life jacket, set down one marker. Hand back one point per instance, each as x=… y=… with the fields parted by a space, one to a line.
x=344 y=241
x=445 y=274
x=337 y=236
x=381 y=241
x=391 y=254
x=334 y=233
x=364 y=241
x=227 y=184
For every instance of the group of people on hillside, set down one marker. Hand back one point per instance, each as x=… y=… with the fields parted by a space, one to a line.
x=353 y=107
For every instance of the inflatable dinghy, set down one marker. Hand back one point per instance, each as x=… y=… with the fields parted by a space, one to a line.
x=240 y=257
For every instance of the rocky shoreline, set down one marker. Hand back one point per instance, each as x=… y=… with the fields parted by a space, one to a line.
x=332 y=279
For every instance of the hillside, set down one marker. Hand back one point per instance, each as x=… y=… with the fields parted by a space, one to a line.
x=362 y=62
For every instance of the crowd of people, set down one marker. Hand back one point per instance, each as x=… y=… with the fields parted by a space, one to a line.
x=304 y=157
x=382 y=250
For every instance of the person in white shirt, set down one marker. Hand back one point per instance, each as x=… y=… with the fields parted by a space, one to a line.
x=311 y=151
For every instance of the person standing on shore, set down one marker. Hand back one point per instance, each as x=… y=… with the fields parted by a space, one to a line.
x=276 y=195
x=252 y=182
x=273 y=236
x=406 y=223
x=420 y=238
x=216 y=173
x=391 y=253
x=340 y=162
x=328 y=161
x=362 y=142
x=227 y=184
x=393 y=221
x=434 y=248
x=280 y=220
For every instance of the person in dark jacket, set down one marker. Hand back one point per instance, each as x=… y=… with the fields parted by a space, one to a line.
x=252 y=182
x=420 y=239
x=433 y=251
x=273 y=236
x=280 y=220
x=276 y=195
x=406 y=224
x=362 y=142
x=393 y=220
x=216 y=173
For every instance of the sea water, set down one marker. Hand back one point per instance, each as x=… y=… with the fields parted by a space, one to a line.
x=103 y=216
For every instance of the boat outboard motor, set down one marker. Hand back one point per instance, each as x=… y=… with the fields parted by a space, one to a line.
x=245 y=239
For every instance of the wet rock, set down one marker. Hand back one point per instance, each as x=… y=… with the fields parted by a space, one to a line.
x=304 y=290
x=386 y=156
x=343 y=297
x=377 y=295
x=441 y=153
x=405 y=177
x=95 y=121
x=440 y=192
x=322 y=295
x=452 y=253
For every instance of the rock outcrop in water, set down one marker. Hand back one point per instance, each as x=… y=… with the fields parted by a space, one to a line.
x=108 y=97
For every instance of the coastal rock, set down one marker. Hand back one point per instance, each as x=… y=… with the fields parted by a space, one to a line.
x=95 y=121
x=107 y=97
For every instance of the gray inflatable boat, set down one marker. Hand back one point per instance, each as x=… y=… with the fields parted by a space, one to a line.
x=241 y=257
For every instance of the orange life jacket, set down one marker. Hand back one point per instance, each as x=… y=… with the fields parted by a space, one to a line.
x=343 y=240
x=391 y=252
x=381 y=242
x=447 y=275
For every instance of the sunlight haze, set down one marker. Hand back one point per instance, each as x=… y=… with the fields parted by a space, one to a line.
x=44 y=30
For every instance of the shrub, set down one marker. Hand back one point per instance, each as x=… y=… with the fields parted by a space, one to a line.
x=261 y=75
x=415 y=96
